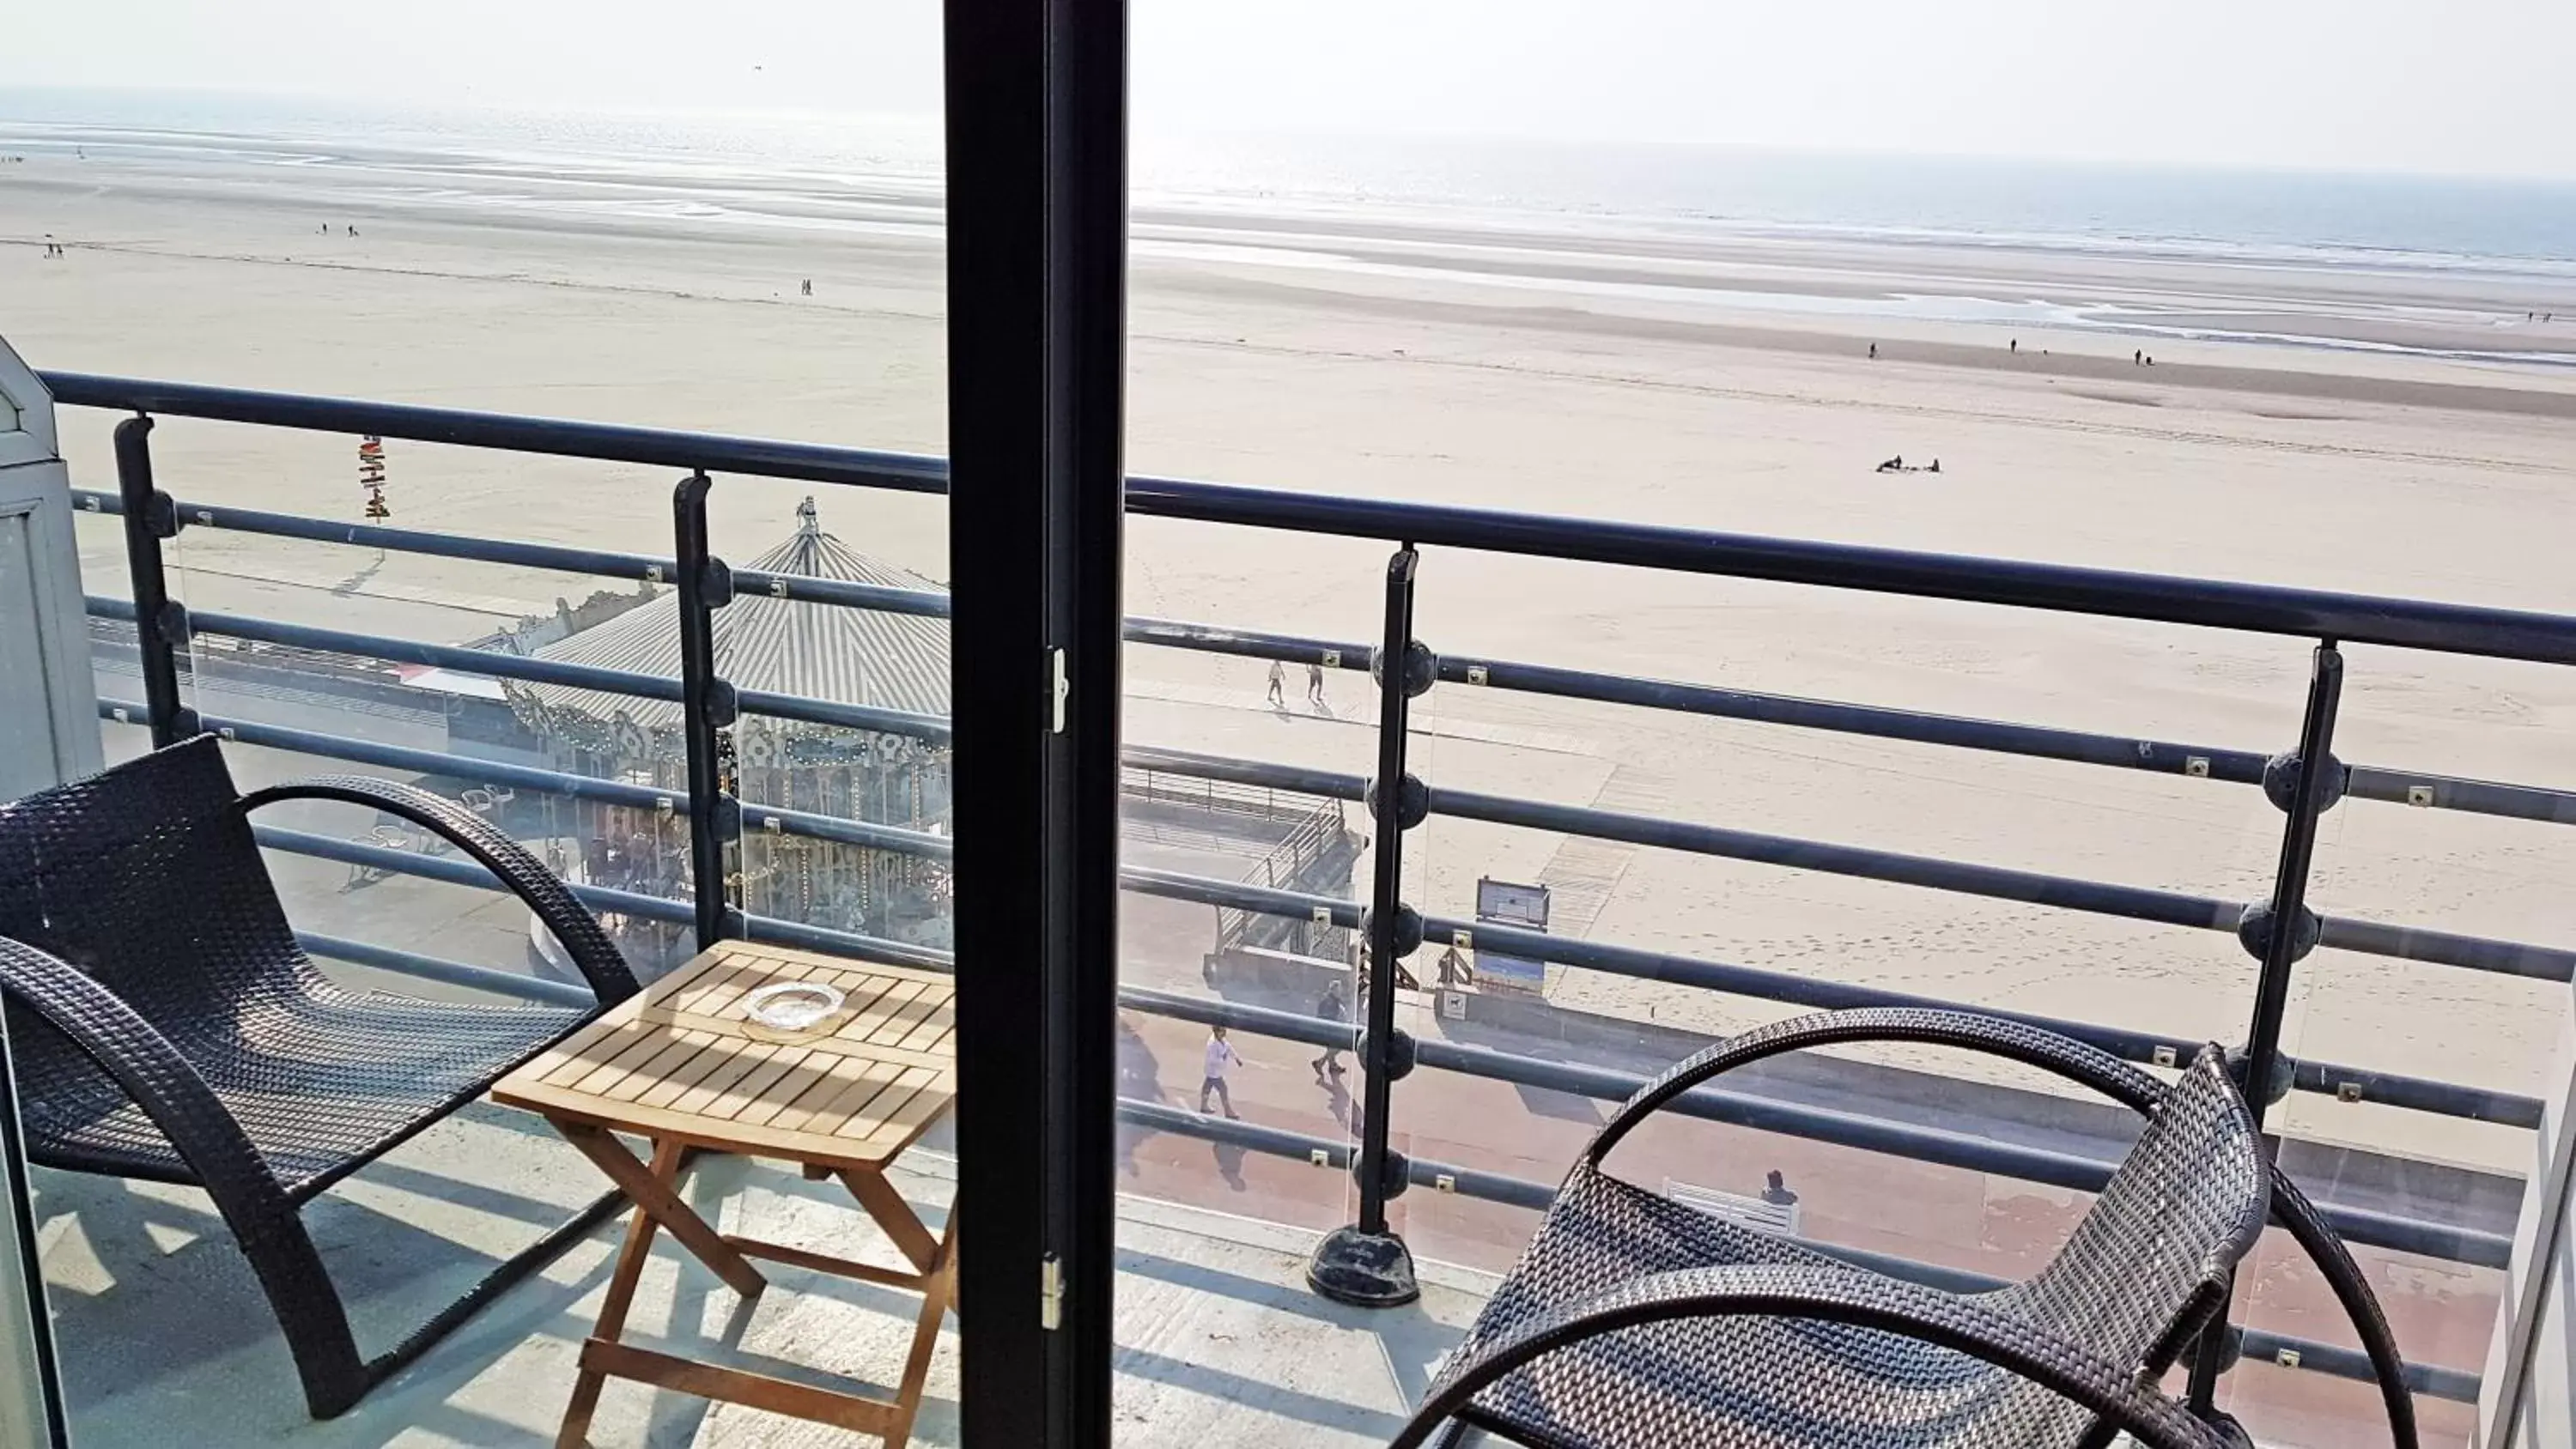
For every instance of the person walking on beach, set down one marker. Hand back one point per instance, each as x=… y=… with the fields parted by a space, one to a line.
x=1221 y=1059
x=1331 y=1009
x=809 y=286
x=2015 y=346
x=1315 y=685
x=2137 y=357
x=1278 y=685
x=1873 y=352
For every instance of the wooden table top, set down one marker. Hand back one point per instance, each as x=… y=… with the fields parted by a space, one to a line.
x=681 y=1061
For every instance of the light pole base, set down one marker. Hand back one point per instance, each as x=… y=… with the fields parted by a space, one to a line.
x=1369 y=1270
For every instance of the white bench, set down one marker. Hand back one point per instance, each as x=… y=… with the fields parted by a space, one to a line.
x=1734 y=1207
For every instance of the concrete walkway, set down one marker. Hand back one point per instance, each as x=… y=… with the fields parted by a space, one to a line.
x=166 y=1340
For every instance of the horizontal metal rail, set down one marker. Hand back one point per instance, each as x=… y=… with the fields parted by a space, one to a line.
x=2427 y=1380
x=2364 y=782
x=497 y=665
x=444 y=971
x=606 y=442
x=2411 y=943
x=2140 y=903
x=598 y=898
x=2329 y=1078
x=2017 y=583
x=2013 y=583
x=2391 y=1089
x=1965 y=1150
x=2363 y=1084
x=1915 y=1143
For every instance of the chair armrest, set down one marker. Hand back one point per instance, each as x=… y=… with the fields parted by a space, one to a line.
x=1836 y=1295
x=2077 y=1062
x=1996 y=1036
x=545 y=893
x=161 y=1082
x=2324 y=1248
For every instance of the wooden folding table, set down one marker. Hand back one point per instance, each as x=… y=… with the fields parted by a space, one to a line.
x=683 y=1064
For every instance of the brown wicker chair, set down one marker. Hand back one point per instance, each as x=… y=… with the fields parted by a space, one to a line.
x=164 y=1024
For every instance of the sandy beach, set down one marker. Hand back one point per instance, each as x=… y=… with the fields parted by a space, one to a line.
x=1654 y=378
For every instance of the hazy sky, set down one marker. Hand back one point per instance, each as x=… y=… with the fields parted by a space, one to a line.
x=2472 y=86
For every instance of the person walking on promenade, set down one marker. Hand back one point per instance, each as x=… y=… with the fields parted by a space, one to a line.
x=1278 y=685
x=1331 y=1009
x=1775 y=1190
x=1221 y=1058
x=1315 y=685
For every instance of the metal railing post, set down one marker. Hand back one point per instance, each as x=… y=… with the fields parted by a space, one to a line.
x=159 y=626
x=2279 y=933
x=1366 y=1263
x=708 y=708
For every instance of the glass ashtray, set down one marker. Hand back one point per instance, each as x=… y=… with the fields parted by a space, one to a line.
x=792 y=1006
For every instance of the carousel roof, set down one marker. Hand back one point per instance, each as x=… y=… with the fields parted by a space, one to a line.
x=785 y=646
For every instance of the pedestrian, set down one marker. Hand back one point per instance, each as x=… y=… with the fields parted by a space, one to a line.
x=1332 y=1009
x=1873 y=352
x=1278 y=685
x=1315 y=685
x=809 y=286
x=2016 y=345
x=1221 y=1058
x=2137 y=357
x=1775 y=1190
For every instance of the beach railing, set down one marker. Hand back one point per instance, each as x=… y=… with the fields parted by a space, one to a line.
x=1405 y=668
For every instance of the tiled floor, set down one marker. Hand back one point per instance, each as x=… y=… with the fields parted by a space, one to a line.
x=167 y=1341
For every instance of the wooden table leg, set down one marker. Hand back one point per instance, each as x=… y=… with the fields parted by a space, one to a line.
x=942 y=1285
x=655 y=1197
x=621 y=1296
x=894 y=1215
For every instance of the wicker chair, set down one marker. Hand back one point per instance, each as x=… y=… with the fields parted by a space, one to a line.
x=1632 y=1320
x=164 y=1024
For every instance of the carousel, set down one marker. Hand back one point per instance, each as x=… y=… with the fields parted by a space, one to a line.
x=820 y=651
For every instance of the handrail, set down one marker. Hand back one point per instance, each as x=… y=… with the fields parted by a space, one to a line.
x=1824 y=1124
x=2393 y=1089
x=2031 y=887
x=2043 y=742
x=2059 y=588
x=2427 y=1379
x=608 y=442
x=2277 y=931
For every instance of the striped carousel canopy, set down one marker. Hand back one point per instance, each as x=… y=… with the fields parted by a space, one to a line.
x=785 y=646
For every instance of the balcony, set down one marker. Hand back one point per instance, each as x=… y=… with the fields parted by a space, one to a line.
x=1248 y=890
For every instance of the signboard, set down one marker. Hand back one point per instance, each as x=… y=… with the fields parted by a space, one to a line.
x=1504 y=904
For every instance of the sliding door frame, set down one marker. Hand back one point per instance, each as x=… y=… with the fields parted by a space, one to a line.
x=1037 y=183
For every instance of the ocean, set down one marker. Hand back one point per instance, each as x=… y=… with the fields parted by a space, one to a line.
x=1225 y=199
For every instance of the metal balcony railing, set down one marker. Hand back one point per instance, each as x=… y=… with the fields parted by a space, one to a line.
x=1393 y=928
